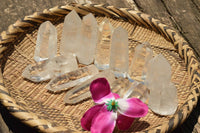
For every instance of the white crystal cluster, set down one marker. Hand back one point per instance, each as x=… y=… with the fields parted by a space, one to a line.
x=100 y=48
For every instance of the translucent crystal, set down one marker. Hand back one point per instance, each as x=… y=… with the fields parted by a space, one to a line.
x=85 y=87
x=138 y=90
x=121 y=86
x=119 y=58
x=163 y=93
x=89 y=35
x=45 y=70
x=37 y=72
x=138 y=68
x=62 y=64
x=71 y=34
x=71 y=79
x=46 y=44
x=102 y=57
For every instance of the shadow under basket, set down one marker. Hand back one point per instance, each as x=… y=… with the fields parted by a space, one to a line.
x=35 y=106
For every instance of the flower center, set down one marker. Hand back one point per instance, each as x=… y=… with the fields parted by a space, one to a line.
x=112 y=105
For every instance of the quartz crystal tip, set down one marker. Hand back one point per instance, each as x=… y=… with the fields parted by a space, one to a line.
x=37 y=72
x=89 y=33
x=163 y=93
x=71 y=35
x=119 y=58
x=138 y=68
x=46 y=44
x=102 y=56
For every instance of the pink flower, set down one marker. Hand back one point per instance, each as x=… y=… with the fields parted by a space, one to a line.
x=110 y=110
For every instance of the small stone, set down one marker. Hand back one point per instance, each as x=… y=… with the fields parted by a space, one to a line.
x=46 y=44
x=119 y=58
x=62 y=64
x=37 y=72
x=138 y=68
x=102 y=57
x=71 y=40
x=71 y=79
x=85 y=86
x=89 y=33
x=163 y=94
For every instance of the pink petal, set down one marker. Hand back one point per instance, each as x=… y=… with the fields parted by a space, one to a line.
x=100 y=90
x=124 y=122
x=87 y=118
x=104 y=122
x=132 y=107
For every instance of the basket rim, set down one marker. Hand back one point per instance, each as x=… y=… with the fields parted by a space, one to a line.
x=31 y=22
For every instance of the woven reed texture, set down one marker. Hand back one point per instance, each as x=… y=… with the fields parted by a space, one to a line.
x=45 y=111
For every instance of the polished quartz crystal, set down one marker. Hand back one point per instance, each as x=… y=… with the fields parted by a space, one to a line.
x=71 y=79
x=89 y=33
x=102 y=56
x=37 y=72
x=138 y=68
x=85 y=87
x=46 y=44
x=163 y=93
x=71 y=40
x=119 y=58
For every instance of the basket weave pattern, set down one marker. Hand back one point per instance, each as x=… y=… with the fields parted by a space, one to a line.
x=45 y=111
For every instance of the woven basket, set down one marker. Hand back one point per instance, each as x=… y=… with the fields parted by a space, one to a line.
x=33 y=105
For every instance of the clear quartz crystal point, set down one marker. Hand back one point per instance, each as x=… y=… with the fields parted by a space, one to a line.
x=71 y=34
x=46 y=44
x=163 y=94
x=71 y=79
x=89 y=33
x=119 y=58
x=37 y=72
x=102 y=57
x=45 y=70
x=62 y=64
x=85 y=86
x=138 y=68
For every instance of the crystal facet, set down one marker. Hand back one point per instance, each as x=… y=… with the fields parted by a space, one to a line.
x=138 y=90
x=138 y=68
x=89 y=33
x=163 y=93
x=102 y=56
x=119 y=58
x=120 y=86
x=62 y=64
x=71 y=79
x=71 y=34
x=46 y=45
x=85 y=86
x=37 y=72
